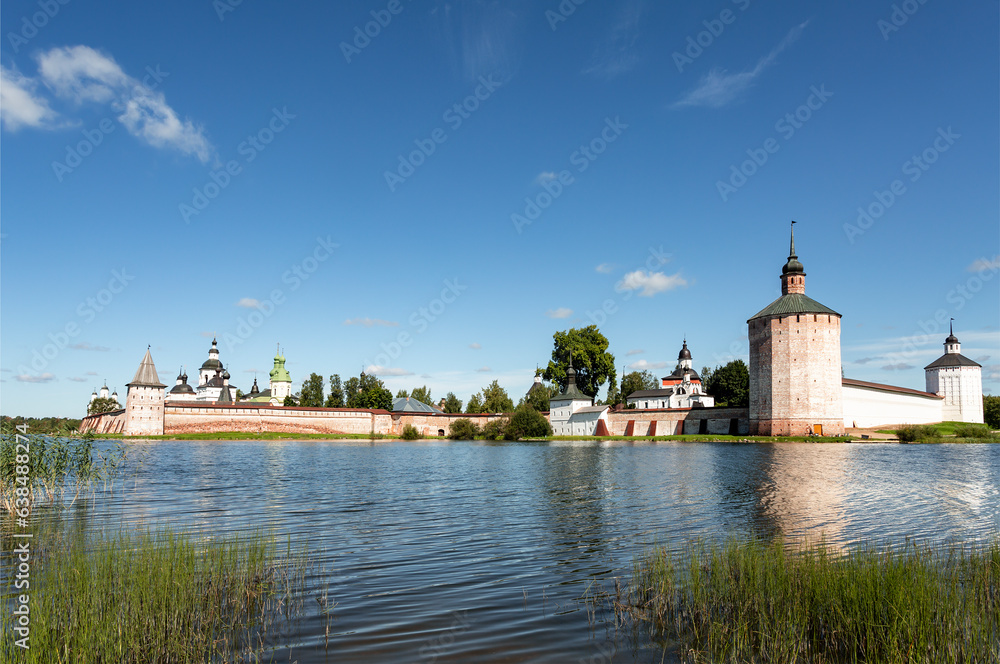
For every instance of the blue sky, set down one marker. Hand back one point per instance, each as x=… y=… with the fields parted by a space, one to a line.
x=435 y=198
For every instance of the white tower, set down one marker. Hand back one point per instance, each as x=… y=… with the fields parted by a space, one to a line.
x=959 y=380
x=281 y=380
x=144 y=401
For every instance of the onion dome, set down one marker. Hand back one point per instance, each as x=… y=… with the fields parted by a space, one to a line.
x=685 y=354
x=793 y=266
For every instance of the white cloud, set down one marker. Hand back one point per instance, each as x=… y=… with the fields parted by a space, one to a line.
x=642 y=365
x=78 y=380
x=475 y=346
x=371 y=322
x=248 y=302
x=604 y=268
x=83 y=345
x=561 y=312
x=635 y=351
x=899 y=366
x=84 y=75
x=545 y=177
x=717 y=88
x=484 y=370
x=91 y=373
x=40 y=378
x=984 y=264
x=19 y=107
x=378 y=370
x=652 y=283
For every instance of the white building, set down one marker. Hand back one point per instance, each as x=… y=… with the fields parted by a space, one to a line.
x=572 y=413
x=681 y=389
x=959 y=381
x=213 y=379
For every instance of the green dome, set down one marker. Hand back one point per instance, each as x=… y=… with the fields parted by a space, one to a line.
x=279 y=374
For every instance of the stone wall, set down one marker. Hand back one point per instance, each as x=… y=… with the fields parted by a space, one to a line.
x=870 y=405
x=186 y=417
x=113 y=422
x=686 y=421
x=435 y=425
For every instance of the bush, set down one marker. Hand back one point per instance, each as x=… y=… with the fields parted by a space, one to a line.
x=463 y=429
x=526 y=422
x=972 y=431
x=410 y=433
x=911 y=433
x=495 y=429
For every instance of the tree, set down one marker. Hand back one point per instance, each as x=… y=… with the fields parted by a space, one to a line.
x=495 y=399
x=991 y=411
x=591 y=359
x=336 y=398
x=312 y=391
x=614 y=396
x=289 y=401
x=538 y=399
x=371 y=393
x=637 y=381
x=402 y=394
x=103 y=405
x=526 y=422
x=729 y=384
x=463 y=429
x=421 y=394
x=452 y=404
x=475 y=405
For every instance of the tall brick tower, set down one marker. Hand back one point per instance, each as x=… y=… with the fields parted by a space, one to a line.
x=144 y=401
x=795 y=377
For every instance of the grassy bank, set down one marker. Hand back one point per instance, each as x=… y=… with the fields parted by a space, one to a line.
x=748 y=601
x=716 y=438
x=946 y=432
x=163 y=597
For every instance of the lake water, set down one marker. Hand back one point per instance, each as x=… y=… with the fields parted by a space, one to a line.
x=480 y=552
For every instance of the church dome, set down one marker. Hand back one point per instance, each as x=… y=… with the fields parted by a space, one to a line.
x=685 y=354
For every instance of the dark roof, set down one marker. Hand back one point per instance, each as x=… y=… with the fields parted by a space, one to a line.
x=145 y=375
x=411 y=405
x=952 y=360
x=850 y=382
x=793 y=303
x=225 y=396
x=685 y=354
x=951 y=339
x=642 y=394
x=183 y=388
x=679 y=372
x=212 y=364
x=572 y=392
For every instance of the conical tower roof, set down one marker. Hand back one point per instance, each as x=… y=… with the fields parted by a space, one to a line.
x=145 y=375
x=572 y=391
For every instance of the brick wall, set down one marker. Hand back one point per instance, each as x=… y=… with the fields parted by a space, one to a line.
x=677 y=422
x=203 y=418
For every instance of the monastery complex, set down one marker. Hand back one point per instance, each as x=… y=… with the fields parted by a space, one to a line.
x=796 y=388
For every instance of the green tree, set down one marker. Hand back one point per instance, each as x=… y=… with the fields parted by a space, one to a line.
x=637 y=381
x=371 y=393
x=289 y=401
x=991 y=411
x=452 y=404
x=591 y=359
x=729 y=384
x=495 y=399
x=102 y=405
x=538 y=399
x=422 y=394
x=614 y=397
x=336 y=398
x=402 y=394
x=463 y=429
x=475 y=405
x=526 y=422
x=312 y=391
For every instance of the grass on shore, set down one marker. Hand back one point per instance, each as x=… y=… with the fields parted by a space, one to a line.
x=158 y=597
x=714 y=438
x=747 y=601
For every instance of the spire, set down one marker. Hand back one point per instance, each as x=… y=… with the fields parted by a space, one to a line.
x=793 y=273
x=146 y=375
x=951 y=344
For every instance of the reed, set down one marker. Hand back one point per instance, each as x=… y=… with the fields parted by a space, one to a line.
x=748 y=601
x=160 y=597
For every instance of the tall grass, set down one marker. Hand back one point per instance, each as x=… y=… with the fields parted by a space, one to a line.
x=747 y=601
x=160 y=597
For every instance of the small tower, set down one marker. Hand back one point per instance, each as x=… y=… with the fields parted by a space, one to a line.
x=105 y=392
x=211 y=366
x=796 y=385
x=959 y=380
x=281 y=380
x=144 y=401
x=93 y=395
x=563 y=405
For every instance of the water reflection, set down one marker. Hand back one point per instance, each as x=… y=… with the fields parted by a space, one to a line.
x=481 y=551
